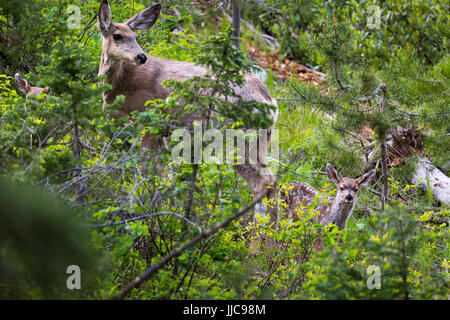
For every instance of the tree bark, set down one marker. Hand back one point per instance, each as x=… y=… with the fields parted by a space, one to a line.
x=236 y=23
x=384 y=175
x=80 y=189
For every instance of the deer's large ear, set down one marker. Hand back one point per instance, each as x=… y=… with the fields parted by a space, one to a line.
x=145 y=19
x=104 y=17
x=22 y=84
x=332 y=174
x=366 y=178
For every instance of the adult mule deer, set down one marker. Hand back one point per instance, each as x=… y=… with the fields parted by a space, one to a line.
x=336 y=209
x=138 y=76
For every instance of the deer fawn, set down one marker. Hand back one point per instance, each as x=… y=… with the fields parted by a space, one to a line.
x=26 y=89
x=138 y=76
x=337 y=210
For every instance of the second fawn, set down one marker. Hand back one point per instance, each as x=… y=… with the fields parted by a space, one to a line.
x=337 y=209
x=24 y=87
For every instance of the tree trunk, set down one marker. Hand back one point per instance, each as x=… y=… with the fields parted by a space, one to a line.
x=80 y=188
x=384 y=175
x=236 y=23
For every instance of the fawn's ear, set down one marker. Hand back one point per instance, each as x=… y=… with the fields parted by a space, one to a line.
x=104 y=18
x=332 y=174
x=145 y=19
x=22 y=84
x=366 y=178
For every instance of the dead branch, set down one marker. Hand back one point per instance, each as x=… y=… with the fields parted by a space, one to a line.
x=147 y=216
x=175 y=253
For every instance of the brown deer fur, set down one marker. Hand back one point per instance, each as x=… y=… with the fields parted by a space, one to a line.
x=26 y=89
x=336 y=209
x=138 y=77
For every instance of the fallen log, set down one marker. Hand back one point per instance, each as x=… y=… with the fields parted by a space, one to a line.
x=431 y=178
x=401 y=145
x=404 y=143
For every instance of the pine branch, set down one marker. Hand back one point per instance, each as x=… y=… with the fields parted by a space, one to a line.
x=381 y=86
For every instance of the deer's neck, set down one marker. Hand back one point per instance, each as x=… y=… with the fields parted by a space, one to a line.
x=340 y=213
x=116 y=71
x=118 y=74
x=106 y=63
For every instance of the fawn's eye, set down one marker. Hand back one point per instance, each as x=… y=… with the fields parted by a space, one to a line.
x=342 y=188
x=117 y=37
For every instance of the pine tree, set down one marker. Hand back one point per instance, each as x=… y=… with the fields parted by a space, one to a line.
x=73 y=106
x=357 y=96
x=379 y=266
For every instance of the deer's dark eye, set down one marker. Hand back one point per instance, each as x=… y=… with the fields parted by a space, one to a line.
x=117 y=37
x=342 y=188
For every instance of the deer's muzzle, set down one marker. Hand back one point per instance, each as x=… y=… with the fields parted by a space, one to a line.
x=142 y=58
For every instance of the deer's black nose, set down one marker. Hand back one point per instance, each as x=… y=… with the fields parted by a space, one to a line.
x=349 y=197
x=142 y=58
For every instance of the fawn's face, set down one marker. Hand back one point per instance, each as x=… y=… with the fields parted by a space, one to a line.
x=119 y=39
x=24 y=87
x=347 y=188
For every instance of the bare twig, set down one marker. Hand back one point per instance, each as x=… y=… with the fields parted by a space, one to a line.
x=175 y=253
x=88 y=26
x=147 y=216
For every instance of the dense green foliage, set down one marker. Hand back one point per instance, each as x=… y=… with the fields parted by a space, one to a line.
x=115 y=220
x=423 y=25
x=400 y=243
x=39 y=239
